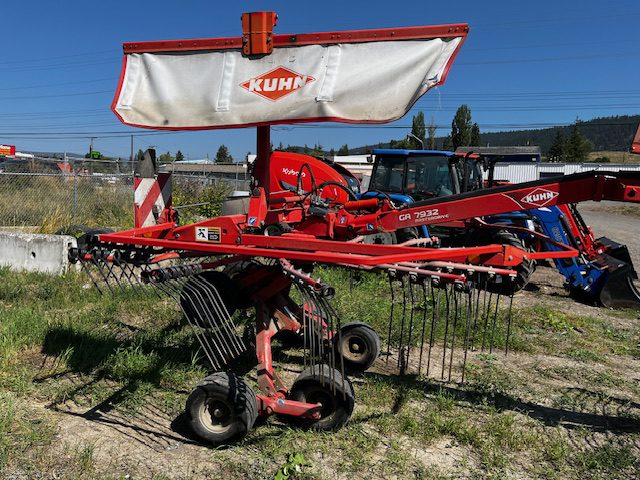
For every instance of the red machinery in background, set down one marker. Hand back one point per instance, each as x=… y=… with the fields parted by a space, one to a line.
x=263 y=259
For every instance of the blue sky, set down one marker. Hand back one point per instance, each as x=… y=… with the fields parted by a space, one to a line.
x=524 y=64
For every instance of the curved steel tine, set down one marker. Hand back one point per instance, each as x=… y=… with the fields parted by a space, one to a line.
x=446 y=328
x=495 y=321
x=435 y=316
x=424 y=322
x=391 y=319
x=469 y=315
x=509 y=318
x=401 y=364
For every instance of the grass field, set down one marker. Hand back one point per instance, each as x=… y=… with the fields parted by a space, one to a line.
x=94 y=387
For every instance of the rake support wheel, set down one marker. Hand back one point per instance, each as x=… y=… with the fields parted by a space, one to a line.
x=222 y=408
x=359 y=345
x=324 y=385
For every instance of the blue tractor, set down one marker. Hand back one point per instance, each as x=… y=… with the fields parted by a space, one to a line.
x=603 y=271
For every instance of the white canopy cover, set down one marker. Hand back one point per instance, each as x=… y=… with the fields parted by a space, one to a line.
x=336 y=80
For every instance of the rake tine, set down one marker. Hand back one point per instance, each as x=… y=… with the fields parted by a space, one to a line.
x=456 y=314
x=410 y=336
x=390 y=317
x=446 y=331
x=466 y=335
x=207 y=343
x=435 y=314
x=401 y=365
x=87 y=270
x=173 y=292
x=476 y=313
x=424 y=323
x=102 y=274
x=487 y=309
x=493 y=326
x=506 y=346
x=110 y=273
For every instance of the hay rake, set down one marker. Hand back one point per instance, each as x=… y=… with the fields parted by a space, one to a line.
x=261 y=259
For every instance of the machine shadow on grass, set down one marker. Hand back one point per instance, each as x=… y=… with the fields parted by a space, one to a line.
x=472 y=395
x=90 y=360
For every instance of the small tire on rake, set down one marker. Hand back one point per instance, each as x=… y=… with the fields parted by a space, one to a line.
x=319 y=384
x=222 y=408
x=359 y=345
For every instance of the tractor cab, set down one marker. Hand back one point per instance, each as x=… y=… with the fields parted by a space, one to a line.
x=413 y=175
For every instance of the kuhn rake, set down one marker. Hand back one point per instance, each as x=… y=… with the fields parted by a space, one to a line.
x=445 y=301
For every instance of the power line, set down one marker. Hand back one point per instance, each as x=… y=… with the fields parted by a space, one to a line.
x=58 y=84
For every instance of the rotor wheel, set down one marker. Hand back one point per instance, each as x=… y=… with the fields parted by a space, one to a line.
x=222 y=408
x=323 y=385
x=198 y=294
x=359 y=345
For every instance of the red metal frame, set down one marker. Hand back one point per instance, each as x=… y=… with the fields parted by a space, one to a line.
x=290 y=40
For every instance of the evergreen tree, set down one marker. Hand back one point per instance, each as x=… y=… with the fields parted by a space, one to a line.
x=475 y=136
x=223 y=155
x=577 y=147
x=166 y=157
x=461 y=127
x=179 y=156
x=343 y=150
x=418 y=130
x=280 y=147
x=139 y=155
x=332 y=152
x=557 y=150
x=431 y=142
x=447 y=144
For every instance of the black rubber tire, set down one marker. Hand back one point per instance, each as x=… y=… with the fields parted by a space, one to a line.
x=524 y=270
x=405 y=234
x=223 y=284
x=359 y=346
x=82 y=232
x=319 y=384
x=222 y=408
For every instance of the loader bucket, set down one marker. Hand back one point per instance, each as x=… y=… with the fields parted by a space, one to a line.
x=617 y=289
x=618 y=251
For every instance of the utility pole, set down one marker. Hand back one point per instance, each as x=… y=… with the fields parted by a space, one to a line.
x=91 y=146
x=131 y=156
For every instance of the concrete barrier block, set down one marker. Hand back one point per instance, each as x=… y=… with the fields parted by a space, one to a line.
x=35 y=252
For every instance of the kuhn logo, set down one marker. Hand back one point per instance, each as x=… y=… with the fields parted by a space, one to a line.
x=539 y=197
x=277 y=83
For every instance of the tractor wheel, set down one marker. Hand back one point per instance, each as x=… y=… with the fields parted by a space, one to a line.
x=324 y=385
x=359 y=345
x=198 y=296
x=222 y=408
x=524 y=270
x=406 y=234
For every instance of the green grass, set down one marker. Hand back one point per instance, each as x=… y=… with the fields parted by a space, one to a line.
x=62 y=343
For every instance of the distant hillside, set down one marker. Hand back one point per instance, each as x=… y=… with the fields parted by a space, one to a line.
x=606 y=133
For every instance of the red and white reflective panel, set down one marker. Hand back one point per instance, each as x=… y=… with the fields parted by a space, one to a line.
x=150 y=199
x=360 y=82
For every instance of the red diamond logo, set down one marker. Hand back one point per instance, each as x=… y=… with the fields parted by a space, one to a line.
x=277 y=83
x=539 y=197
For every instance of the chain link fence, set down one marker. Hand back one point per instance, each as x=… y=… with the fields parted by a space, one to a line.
x=46 y=202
